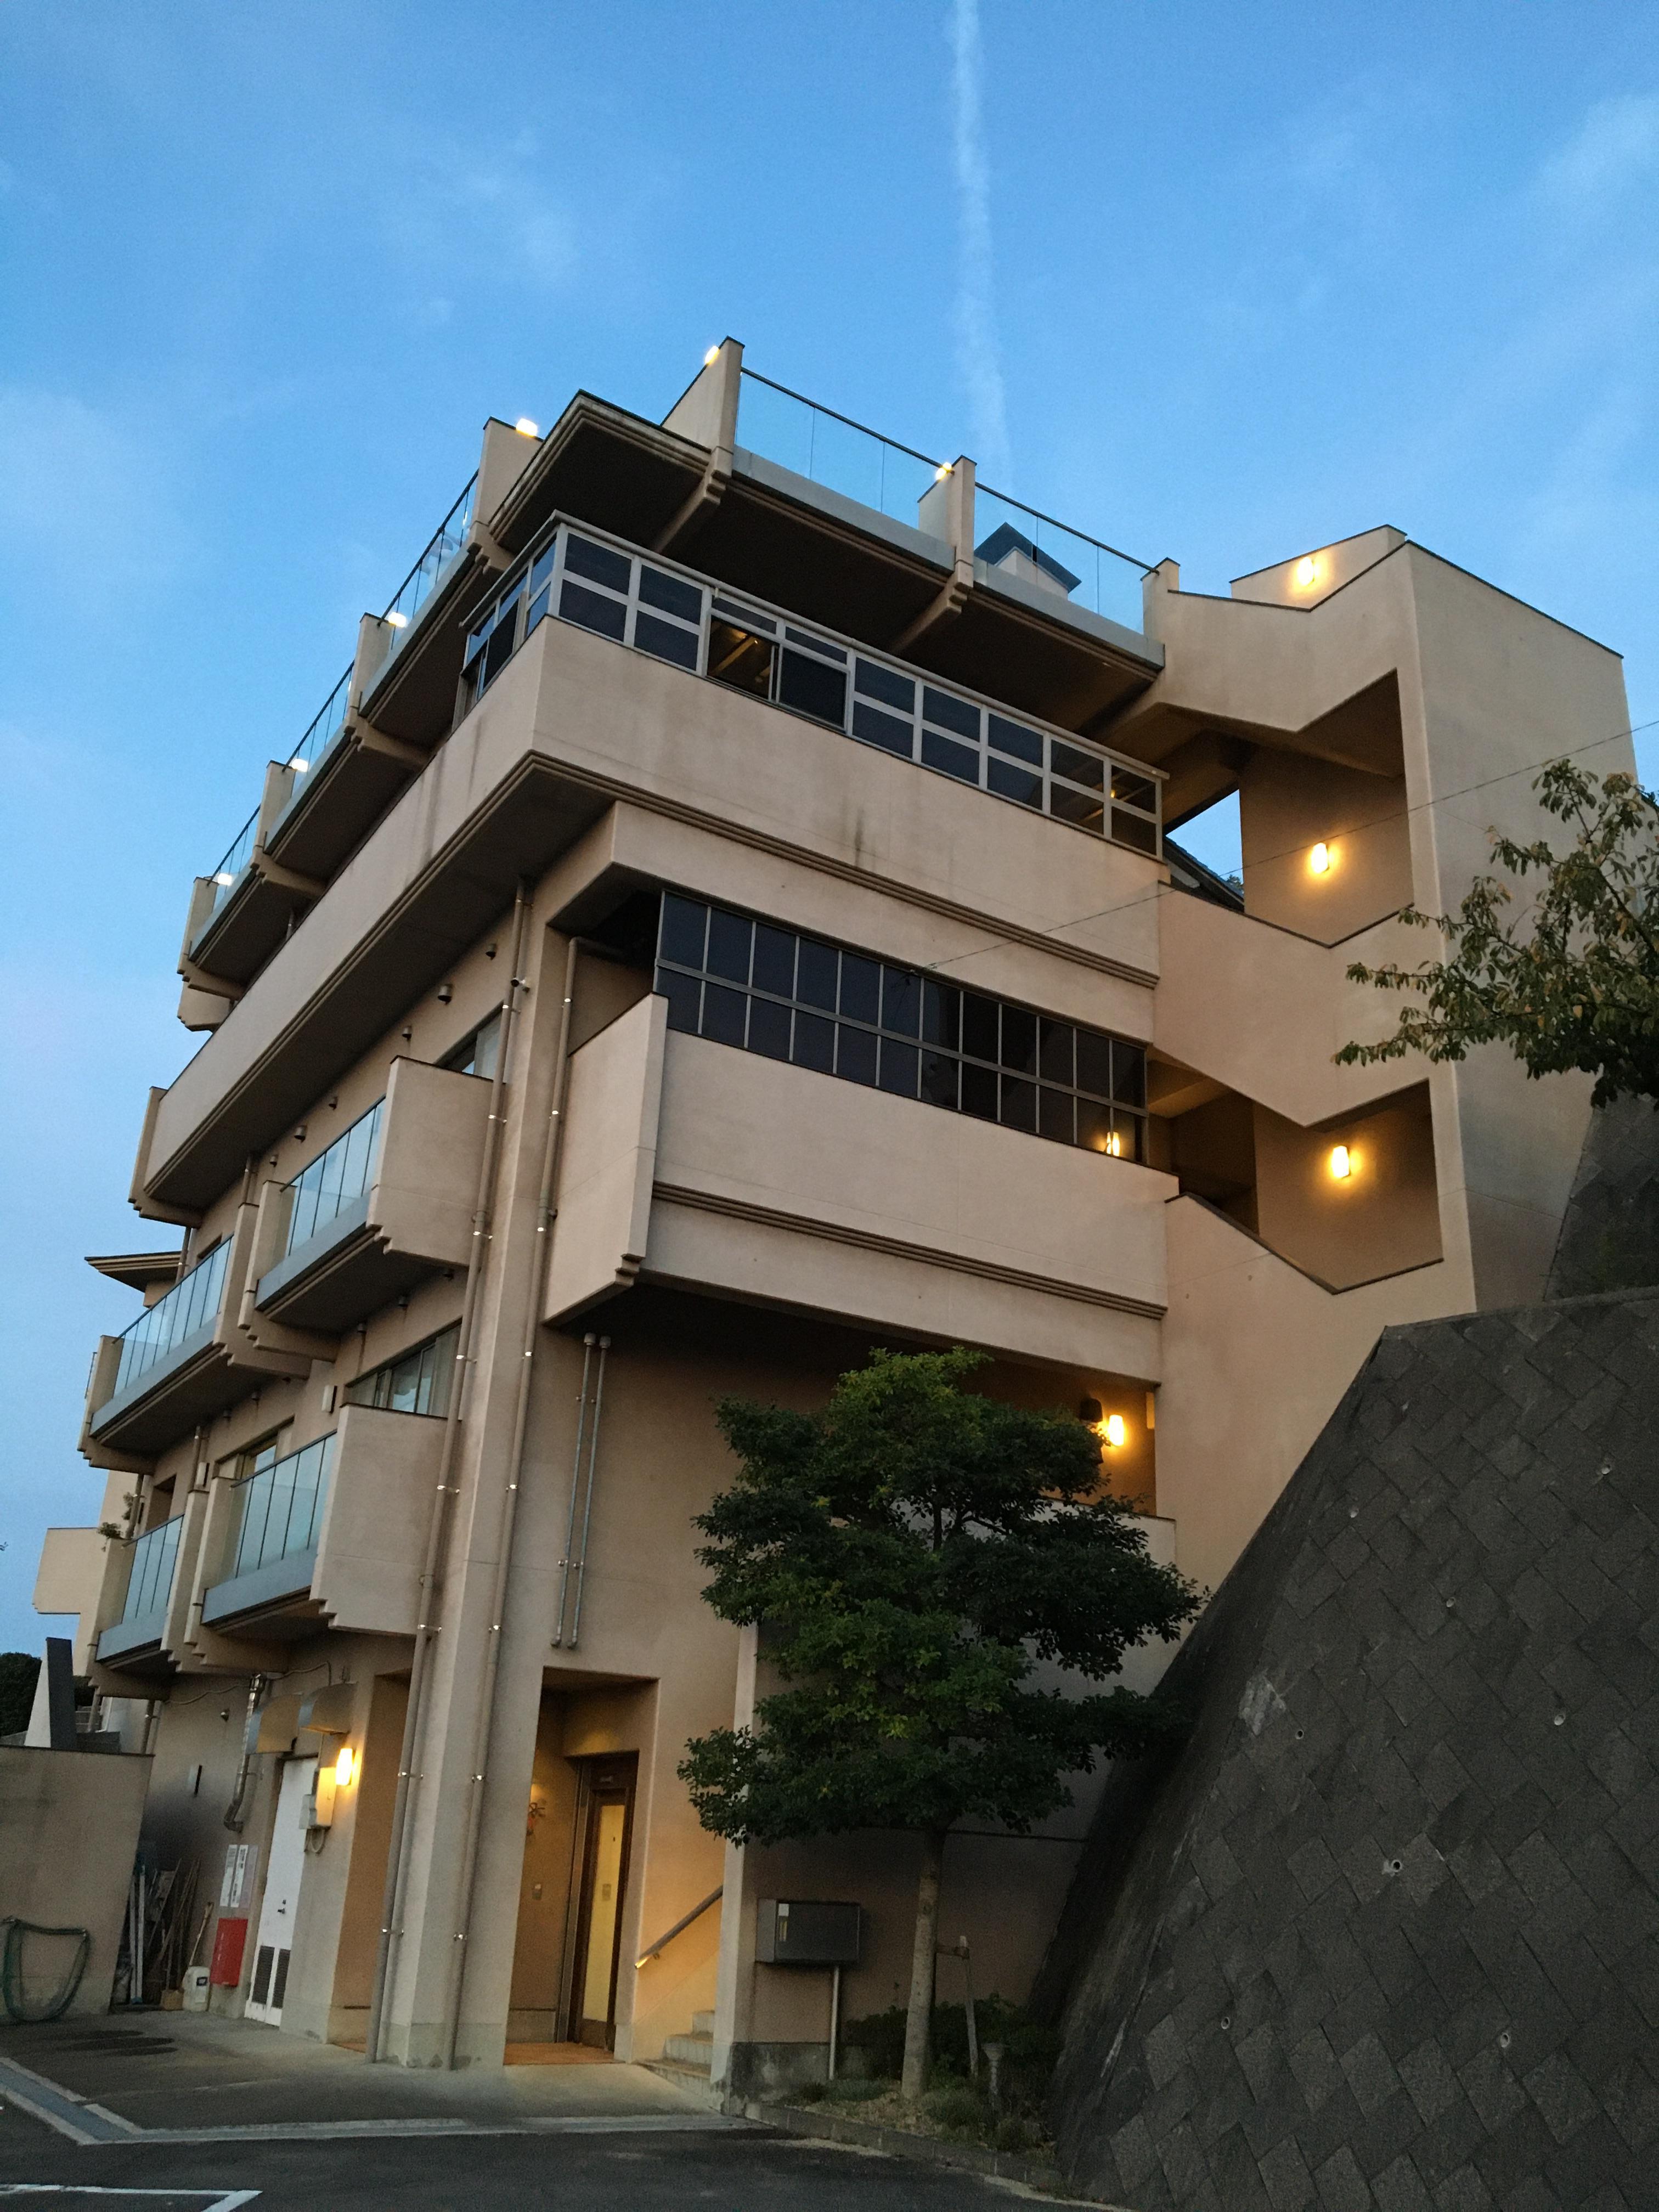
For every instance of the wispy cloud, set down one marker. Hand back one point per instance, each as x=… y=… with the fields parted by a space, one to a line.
x=454 y=209
x=978 y=354
x=1615 y=146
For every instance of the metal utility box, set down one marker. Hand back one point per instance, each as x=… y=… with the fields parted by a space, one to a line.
x=808 y=1932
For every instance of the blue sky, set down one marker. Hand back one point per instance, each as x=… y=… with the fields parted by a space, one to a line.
x=1220 y=282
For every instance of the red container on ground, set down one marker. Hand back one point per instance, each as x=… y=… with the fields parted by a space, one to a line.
x=229 y=1941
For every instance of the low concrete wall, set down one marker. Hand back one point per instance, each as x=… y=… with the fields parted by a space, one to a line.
x=69 y=1832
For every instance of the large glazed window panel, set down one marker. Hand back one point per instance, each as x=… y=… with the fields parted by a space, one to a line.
x=748 y=983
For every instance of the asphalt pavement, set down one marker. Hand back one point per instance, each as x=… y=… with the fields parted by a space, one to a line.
x=735 y=2170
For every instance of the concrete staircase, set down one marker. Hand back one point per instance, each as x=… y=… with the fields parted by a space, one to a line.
x=688 y=2061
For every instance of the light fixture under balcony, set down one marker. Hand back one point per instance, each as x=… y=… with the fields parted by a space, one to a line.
x=1116 y=1430
x=1319 y=860
x=1341 y=1162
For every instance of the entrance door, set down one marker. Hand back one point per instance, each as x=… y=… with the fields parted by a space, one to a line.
x=282 y=1897
x=604 y=1882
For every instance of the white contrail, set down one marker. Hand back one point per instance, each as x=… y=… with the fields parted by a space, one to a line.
x=976 y=343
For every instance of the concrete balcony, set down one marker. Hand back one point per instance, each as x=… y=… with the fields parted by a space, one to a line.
x=243 y=910
x=576 y=729
x=383 y=1207
x=331 y=1536
x=181 y=1362
x=693 y=1164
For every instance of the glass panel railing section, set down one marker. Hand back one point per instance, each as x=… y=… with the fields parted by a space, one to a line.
x=832 y=450
x=336 y=1176
x=151 y=1570
x=1035 y=549
x=323 y=735
x=231 y=869
x=433 y=565
x=188 y=1307
x=283 y=1507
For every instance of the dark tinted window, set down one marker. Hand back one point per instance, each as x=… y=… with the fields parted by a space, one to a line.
x=860 y=988
x=811 y=689
x=730 y=936
x=672 y=594
x=887 y=685
x=815 y=974
x=1014 y=738
x=774 y=961
x=578 y=604
x=666 y=641
x=949 y=713
x=583 y=558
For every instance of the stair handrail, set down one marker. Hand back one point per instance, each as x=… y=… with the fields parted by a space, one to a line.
x=684 y=1922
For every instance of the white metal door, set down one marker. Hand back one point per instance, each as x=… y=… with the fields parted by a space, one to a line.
x=282 y=1897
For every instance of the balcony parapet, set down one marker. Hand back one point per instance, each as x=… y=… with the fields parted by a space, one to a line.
x=350 y=1233
x=686 y=1162
x=333 y=1536
x=181 y=1362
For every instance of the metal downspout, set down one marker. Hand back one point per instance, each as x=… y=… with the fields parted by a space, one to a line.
x=546 y=1211
x=438 y=1520
x=589 y=1343
x=588 y=1504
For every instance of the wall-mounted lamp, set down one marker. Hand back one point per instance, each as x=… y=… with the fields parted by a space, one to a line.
x=300 y=767
x=445 y=992
x=941 y=472
x=1114 y=1144
x=1116 y=1430
x=526 y=428
x=1319 y=860
x=1341 y=1162
x=1305 y=574
x=344 y=1768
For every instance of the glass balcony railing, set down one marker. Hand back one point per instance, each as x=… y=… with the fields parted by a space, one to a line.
x=336 y=1176
x=639 y=601
x=151 y=1571
x=1019 y=541
x=282 y=1508
x=433 y=565
x=231 y=869
x=832 y=450
x=188 y=1307
x=324 y=733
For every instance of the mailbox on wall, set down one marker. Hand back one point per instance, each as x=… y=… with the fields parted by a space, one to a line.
x=808 y=1932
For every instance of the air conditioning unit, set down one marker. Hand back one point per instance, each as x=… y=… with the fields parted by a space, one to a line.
x=808 y=1932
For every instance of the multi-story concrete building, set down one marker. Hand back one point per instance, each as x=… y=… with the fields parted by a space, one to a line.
x=717 y=924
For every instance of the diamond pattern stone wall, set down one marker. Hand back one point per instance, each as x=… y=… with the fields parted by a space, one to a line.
x=1610 y=1236
x=1385 y=1931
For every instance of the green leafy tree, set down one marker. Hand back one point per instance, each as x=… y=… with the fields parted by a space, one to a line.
x=912 y=1553
x=18 y=1670
x=1574 y=983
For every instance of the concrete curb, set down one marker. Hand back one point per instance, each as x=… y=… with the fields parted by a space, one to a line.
x=898 y=2142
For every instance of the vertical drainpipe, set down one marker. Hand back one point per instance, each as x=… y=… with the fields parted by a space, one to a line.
x=546 y=1211
x=426 y=1628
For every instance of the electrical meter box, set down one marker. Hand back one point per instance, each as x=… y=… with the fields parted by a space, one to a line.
x=808 y=1932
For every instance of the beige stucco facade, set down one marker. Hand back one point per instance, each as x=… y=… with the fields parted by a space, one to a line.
x=357 y=1181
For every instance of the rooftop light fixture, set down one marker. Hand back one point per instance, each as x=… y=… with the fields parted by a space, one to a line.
x=224 y=877
x=300 y=767
x=398 y=621
x=526 y=428
x=1305 y=574
x=1341 y=1162
x=941 y=472
x=1319 y=861
x=711 y=356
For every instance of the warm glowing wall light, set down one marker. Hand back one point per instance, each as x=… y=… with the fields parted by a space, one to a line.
x=343 y=1767
x=1115 y=1145
x=711 y=356
x=941 y=472
x=1116 y=1432
x=1306 y=573
x=526 y=428
x=1320 y=859
x=1341 y=1162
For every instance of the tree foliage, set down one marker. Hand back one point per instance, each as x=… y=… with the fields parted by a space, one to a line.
x=1574 y=983
x=915 y=1550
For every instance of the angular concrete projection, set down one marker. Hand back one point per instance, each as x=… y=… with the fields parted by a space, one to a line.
x=1387 y=1931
